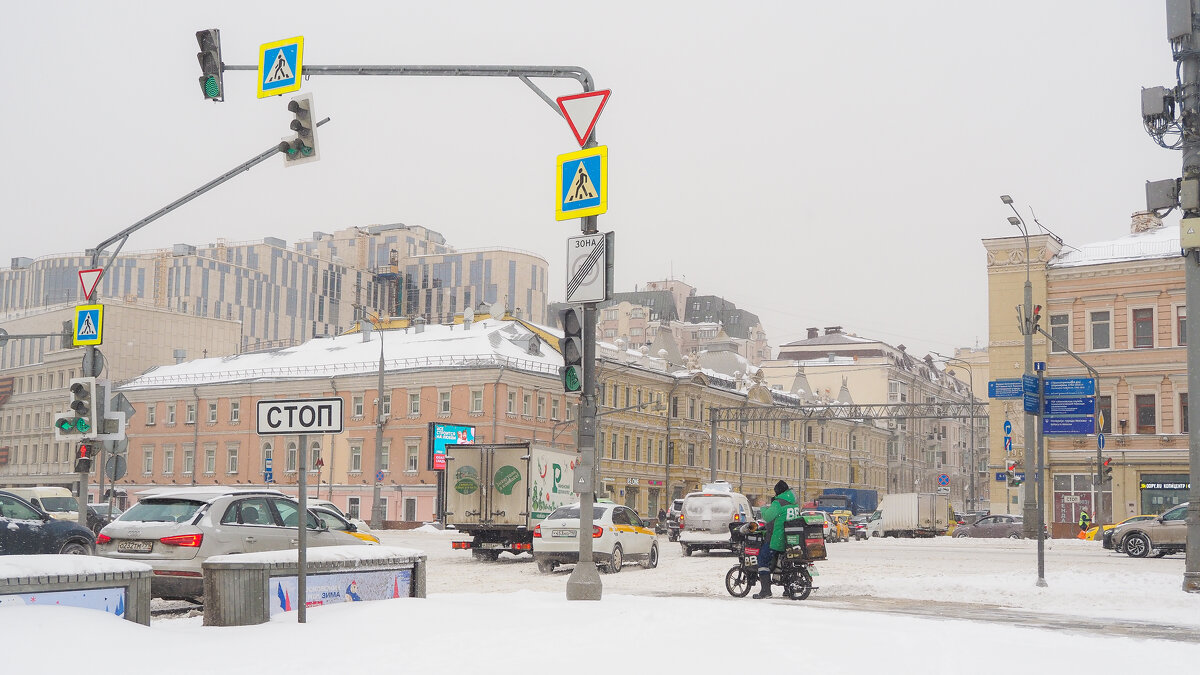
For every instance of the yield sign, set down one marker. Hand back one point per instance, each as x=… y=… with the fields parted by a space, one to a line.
x=582 y=111
x=88 y=279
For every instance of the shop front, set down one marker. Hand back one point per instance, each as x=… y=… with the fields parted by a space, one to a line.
x=1161 y=491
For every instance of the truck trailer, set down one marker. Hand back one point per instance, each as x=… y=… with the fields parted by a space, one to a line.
x=856 y=500
x=913 y=514
x=497 y=493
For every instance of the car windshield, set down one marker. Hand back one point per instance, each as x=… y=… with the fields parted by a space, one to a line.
x=331 y=521
x=60 y=504
x=161 y=511
x=573 y=512
x=332 y=507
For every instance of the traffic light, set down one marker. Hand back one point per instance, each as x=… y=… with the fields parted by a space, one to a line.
x=209 y=57
x=1037 y=316
x=80 y=422
x=571 y=346
x=1011 y=472
x=1106 y=471
x=302 y=147
x=83 y=458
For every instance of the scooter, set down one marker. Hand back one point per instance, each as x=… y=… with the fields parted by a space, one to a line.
x=792 y=569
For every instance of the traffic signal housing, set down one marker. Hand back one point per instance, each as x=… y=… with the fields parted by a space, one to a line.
x=80 y=421
x=1037 y=317
x=209 y=56
x=1011 y=473
x=1106 y=472
x=571 y=346
x=83 y=457
x=302 y=146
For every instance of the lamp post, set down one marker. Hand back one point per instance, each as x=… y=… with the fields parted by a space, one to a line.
x=971 y=454
x=1030 y=511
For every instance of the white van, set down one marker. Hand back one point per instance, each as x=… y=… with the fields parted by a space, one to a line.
x=56 y=501
x=704 y=523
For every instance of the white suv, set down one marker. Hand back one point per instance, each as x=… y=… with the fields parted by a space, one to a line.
x=175 y=531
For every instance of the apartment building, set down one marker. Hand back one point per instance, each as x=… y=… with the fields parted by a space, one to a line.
x=1119 y=304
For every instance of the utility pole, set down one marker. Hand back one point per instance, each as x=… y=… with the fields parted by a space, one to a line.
x=377 y=514
x=1025 y=320
x=1159 y=106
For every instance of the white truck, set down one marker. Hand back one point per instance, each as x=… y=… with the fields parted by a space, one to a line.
x=913 y=514
x=497 y=493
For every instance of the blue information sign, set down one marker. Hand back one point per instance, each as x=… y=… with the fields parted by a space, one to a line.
x=1099 y=441
x=1071 y=405
x=1031 y=403
x=1001 y=476
x=1004 y=388
x=1070 y=386
x=1029 y=384
x=1079 y=426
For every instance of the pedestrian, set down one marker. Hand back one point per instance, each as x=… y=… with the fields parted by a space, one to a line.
x=1085 y=521
x=780 y=509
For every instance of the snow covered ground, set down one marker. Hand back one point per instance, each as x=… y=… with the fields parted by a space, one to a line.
x=506 y=617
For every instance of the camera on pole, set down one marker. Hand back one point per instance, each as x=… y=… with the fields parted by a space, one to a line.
x=302 y=147
x=209 y=57
x=571 y=346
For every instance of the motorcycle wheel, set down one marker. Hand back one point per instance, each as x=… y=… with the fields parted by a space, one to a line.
x=800 y=584
x=738 y=582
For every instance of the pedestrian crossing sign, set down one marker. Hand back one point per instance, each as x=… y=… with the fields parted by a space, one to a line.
x=582 y=183
x=279 y=65
x=89 y=324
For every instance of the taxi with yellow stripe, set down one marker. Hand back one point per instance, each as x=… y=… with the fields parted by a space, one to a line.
x=618 y=536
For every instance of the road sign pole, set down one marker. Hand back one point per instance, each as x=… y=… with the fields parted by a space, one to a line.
x=302 y=527
x=1038 y=481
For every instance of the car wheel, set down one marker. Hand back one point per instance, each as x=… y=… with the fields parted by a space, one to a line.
x=1015 y=535
x=615 y=561
x=545 y=566
x=960 y=534
x=687 y=550
x=1137 y=545
x=74 y=548
x=651 y=560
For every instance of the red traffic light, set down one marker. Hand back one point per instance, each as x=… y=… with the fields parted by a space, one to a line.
x=1107 y=461
x=86 y=451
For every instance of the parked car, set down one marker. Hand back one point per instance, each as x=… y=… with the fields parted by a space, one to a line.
x=1161 y=536
x=858 y=527
x=27 y=530
x=56 y=501
x=993 y=527
x=314 y=502
x=875 y=524
x=337 y=522
x=618 y=534
x=1095 y=533
x=100 y=515
x=175 y=531
x=673 y=519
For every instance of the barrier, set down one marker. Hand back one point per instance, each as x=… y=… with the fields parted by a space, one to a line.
x=114 y=586
x=248 y=589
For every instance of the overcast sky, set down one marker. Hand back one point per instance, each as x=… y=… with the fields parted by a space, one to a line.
x=818 y=163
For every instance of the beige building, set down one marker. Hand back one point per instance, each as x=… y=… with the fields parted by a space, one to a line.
x=1120 y=305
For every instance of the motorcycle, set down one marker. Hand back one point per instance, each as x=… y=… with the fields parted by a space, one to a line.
x=792 y=569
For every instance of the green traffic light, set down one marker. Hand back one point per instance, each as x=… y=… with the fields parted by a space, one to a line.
x=212 y=87
x=63 y=424
x=571 y=382
x=82 y=425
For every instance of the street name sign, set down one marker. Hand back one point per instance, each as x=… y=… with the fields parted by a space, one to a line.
x=581 y=183
x=89 y=324
x=1004 y=388
x=582 y=110
x=279 y=65
x=300 y=416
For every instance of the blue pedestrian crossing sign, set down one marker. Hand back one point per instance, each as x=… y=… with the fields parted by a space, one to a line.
x=279 y=65
x=89 y=324
x=581 y=183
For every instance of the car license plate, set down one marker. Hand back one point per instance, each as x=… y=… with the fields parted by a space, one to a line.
x=491 y=544
x=135 y=546
x=563 y=533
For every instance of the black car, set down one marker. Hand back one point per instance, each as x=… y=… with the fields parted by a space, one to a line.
x=26 y=530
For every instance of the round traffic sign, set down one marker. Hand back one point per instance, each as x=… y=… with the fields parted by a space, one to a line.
x=379 y=476
x=943 y=480
x=1007 y=427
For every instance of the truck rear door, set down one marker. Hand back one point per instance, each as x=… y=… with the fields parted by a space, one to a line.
x=465 y=489
x=508 y=489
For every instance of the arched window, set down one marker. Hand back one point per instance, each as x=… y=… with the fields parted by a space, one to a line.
x=314 y=456
x=291 y=456
x=267 y=449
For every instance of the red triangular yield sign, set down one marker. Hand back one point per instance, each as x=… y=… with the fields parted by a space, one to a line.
x=582 y=111
x=88 y=279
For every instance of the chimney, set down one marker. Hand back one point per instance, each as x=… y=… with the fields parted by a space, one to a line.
x=813 y=332
x=367 y=329
x=1143 y=221
x=468 y=318
x=831 y=330
x=180 y=355
x=420 y=324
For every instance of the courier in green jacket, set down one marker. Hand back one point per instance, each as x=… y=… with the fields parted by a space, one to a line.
x=781 y=509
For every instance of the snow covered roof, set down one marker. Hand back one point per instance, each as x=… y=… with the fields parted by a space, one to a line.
x=831 y=339
x=486 y=343
x=1159 y=242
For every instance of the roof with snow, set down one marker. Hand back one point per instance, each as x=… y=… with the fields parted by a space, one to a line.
x=831 y=339
x=512 y=343
x=1159 y=242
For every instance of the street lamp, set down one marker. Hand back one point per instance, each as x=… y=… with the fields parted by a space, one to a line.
x=1032 y=524
x=971 y=379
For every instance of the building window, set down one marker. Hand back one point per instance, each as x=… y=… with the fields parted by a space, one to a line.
x=526 y=403
x=290 y=457
x=1181 y=326
x=210 y=458
x=443 y=403
x=1143 y=329
x=1104 y=407
x=168 y=460
x=625 y=449
x=387 y=404
x=235 y=411
x=414 y=404
x=512 y=403
x=1101 y=330
x=554 y=409
x=476 y=400
x=189 y=460
x=267 y=452
x=691 y=454
x=356 y=457
x=191 y=414
x=170 y=413
x=212 y=413
x=1183 y=413
x=541 y=407
x=356 y=406
x=385 y=460
x=691 y=408
x=612 y=452
x=231 y=455
x=314 y=456
x=352 y=506
x=1060 y=330
x=147 y=460
x=1145 y=413
x=151 y=409
x=412 y=452
x=674 y=406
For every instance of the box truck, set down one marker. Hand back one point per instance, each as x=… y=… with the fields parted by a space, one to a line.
x=913 y=514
